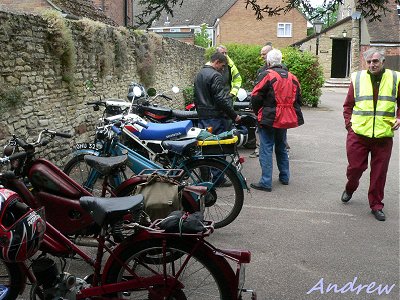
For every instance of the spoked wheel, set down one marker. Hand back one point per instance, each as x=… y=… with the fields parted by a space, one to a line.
x=80 y=171
x=224 y=201
x=11 y=280
x=202 y=275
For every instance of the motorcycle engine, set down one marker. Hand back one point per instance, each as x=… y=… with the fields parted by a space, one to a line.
x=67 y=287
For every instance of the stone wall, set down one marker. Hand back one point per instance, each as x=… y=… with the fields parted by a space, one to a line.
x=38 y=60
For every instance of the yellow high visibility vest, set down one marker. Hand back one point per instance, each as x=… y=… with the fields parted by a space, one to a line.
x=370 y=120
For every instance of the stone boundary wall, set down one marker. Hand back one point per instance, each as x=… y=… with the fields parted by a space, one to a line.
x=111 y=57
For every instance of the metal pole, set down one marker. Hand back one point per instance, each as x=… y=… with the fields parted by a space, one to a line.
x=317 y=45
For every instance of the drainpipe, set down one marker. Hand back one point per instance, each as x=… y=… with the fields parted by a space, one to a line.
x=126 y=13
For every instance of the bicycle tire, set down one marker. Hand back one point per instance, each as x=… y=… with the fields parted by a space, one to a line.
x=11 y=277
x=212 y=275
x=219 y=197
x=77 y=169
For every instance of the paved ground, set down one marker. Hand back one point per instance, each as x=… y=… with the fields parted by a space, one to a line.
x=302 y=233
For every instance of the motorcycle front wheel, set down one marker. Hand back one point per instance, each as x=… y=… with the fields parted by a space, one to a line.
x=195 y=276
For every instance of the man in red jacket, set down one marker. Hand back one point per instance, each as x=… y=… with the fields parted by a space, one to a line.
x=276 y=100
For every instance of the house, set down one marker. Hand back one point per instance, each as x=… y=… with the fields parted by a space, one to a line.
x=339 y=47
x=230 y=22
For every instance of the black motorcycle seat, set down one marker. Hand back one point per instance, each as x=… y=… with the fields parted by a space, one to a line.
x=241 y=105
x=106 y=165
x=184 y=114
x=179 y=147
x=157 y=109
x=110 y=210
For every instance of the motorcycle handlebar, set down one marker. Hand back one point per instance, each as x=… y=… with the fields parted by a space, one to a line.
x=64 y=135
x=22 y=143
x=4 y=160
x=116 y=130
x=166 y=97
x=142 y=124
x=96 y=103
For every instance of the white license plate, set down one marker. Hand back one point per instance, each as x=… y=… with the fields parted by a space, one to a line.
x=89 y=146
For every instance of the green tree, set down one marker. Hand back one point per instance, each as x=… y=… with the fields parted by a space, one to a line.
x=202 y=38
x=305 y=66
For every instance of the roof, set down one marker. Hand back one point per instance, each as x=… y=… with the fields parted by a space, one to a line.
x=342 y=21
x=192 y=12
x=386 y=31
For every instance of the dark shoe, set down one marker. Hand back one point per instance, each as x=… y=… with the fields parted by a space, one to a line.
x=259 y=187
x=284 y=182
x=346 y=197
x=379 y=215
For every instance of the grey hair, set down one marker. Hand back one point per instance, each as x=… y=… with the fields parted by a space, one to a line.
x=274 y=57
x=221 y=47
x=371 y=51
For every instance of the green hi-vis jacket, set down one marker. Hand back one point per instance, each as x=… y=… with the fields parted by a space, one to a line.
x=236 y=79
x=370 y=119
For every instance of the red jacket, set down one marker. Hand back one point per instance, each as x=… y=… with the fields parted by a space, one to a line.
x=276 y=99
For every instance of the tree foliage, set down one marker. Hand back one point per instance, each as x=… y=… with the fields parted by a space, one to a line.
x=202 y=38
x=373 y=9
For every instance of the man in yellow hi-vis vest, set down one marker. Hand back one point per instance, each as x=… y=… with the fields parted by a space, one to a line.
x=231 y=75
x=371 y=117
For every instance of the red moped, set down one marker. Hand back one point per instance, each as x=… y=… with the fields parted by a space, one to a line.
x=146 y=262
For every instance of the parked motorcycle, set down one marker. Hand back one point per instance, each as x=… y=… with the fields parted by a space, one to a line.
x=145 y=107
x=148 y=263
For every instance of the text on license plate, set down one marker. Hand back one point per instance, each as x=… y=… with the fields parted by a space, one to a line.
x=91 y=146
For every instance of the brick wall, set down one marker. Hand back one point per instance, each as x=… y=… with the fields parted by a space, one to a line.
x=27 y=62
x=239 y=25
x=115 y=9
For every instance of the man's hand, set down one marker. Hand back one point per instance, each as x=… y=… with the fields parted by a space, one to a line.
x=396 y=124
x=237 y=119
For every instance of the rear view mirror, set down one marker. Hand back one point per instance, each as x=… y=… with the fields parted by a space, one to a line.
x=151 y=92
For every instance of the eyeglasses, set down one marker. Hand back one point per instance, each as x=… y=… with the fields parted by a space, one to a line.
x=375 y=61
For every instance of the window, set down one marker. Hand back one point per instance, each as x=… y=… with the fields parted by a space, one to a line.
x=284 y=30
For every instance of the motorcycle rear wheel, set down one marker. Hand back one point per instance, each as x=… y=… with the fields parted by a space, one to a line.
x=223 y=203
x=204 y=276
x=79 y=170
